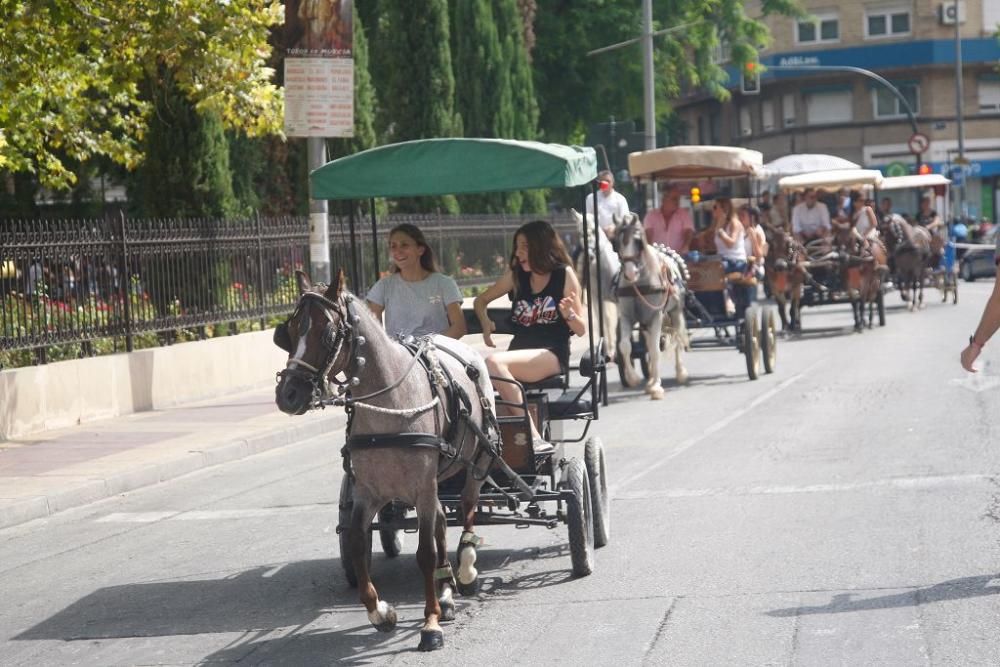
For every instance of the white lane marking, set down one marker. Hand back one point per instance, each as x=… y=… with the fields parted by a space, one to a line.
x=694 y=440
x=211 y=515
x=893 y=482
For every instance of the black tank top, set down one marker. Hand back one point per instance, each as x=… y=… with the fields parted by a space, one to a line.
x=535 y=317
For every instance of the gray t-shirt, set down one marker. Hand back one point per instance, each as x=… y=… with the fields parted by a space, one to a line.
x=415 y=308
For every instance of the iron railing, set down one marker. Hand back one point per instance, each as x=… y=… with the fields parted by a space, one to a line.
x=106 y=283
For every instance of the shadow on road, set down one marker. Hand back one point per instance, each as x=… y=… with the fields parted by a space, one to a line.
x=272 y=607
x=954 y=589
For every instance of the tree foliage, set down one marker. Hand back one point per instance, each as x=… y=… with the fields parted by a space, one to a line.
x=73 y=71
x=576 y=89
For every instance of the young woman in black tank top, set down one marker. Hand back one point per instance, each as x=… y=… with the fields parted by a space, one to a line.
x=546 y=310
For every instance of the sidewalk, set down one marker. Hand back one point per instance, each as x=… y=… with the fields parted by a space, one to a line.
x=52 y=471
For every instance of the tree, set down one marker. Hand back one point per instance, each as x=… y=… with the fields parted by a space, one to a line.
x=73 y=72
x=417 y=86
x=186 y=173
x=575 y=90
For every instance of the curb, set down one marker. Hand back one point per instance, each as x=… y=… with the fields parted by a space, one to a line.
x=40 y=507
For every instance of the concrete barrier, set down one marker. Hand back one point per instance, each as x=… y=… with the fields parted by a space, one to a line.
x=67 y=393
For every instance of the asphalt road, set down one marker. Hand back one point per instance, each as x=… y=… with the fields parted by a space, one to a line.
x=843 y=510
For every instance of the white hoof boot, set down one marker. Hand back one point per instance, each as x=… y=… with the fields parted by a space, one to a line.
x=384 y=617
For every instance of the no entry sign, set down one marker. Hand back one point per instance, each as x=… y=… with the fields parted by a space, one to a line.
x=918 y=143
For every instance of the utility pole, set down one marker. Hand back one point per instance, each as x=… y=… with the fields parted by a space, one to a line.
x=319 y=226
x=959 y=112
x=648 y=95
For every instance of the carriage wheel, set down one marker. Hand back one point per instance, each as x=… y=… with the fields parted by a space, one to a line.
x=346 y=505
x=880 y=306
x=769 y=340
x=392 y=540
x=600 y=501
x=751 y=343
x=578 y=518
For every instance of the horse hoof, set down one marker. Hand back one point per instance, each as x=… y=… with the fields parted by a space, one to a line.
x=470 y=589
x=431 y=640
x=682 y=378
x=656 y=394
x=447 y=610
x=384 y=617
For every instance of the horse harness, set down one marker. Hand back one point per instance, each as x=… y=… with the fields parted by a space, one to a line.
x=458 y=404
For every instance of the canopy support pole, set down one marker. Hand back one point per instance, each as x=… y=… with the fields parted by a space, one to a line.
x=375 y=266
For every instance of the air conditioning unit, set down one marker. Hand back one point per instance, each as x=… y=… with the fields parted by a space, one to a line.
x=949 y=12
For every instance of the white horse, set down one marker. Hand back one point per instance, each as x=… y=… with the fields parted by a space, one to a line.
x=600 y=250
x=650 y=293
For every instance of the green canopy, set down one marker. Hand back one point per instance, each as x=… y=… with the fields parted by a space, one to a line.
x=453 y=166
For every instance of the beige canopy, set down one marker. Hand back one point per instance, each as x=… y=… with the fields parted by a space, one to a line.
x=916 y=181
x=694 y=162
x=837 y=178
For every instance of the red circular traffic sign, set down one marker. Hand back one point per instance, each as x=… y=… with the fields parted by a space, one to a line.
x=918 y=143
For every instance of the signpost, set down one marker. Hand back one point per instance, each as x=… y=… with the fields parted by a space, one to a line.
x=918 y=143
x=319 y=97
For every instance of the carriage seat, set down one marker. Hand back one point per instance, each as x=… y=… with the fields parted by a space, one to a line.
x=558 y=381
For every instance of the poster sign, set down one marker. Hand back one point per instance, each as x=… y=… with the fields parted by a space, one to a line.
x=319 y=68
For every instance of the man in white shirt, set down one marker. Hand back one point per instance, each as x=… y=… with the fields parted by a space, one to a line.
x=810 y=220
x=611 y=204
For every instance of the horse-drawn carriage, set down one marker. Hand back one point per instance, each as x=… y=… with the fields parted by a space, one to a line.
x=844 y=268
x=428 y=444
x=941 y=265
x=707 y=284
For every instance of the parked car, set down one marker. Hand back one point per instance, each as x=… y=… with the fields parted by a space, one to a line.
x=980 y=262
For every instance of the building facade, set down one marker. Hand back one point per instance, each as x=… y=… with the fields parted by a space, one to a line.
x=911 y=43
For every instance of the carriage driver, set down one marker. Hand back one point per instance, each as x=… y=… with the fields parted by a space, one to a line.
x=611 y=204
x=545 y=312
x=810 y=219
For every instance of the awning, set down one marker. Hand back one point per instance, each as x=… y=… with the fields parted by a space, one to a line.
x=429 y=167
x=837 y=178
x=915 y=181
x=694 y=162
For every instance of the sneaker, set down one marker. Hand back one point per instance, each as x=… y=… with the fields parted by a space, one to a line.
x=542 y=447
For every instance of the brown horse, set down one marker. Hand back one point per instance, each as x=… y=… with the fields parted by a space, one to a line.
x=864 y=265
x=910 y=248
x=785 y=272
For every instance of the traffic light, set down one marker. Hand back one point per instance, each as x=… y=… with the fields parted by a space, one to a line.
x=924 y=169
x=750 y=79
x=695 y=195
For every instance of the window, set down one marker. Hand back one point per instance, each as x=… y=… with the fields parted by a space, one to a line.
x=788 y=109
x=888 y=105
x=767 y=115
x=823 y=107
x=887 y=23
x=989 y=95
x=822 y=28
x=746 y=123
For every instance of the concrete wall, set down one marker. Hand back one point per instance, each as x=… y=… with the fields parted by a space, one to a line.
x=73 y=392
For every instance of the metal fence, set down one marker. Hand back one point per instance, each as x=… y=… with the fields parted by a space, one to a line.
x=71 y=284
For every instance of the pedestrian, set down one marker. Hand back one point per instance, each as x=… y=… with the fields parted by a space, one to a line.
x=545 y=311
x=416 y=298
x=670 y=224
x=611 y=204
x=988 y=325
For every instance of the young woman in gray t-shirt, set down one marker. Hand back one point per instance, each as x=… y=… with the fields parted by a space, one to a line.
x=415 y=298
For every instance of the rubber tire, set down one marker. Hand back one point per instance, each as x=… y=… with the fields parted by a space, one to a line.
x=751 y=343
x=578 y=518
x=967 y=274
x=768 y=340
x=880 y=307
x=392 y=540
x=346 y=502
x=600 y=500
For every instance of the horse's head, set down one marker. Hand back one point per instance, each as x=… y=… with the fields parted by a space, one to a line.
x=318 y=338
x=631 y=241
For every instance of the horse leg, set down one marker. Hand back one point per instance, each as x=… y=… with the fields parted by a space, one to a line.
x=679 y=338
x=443 y=575
x=468 y=575
x=625 y=351
x=781 y=299
x=428 y=507
x=381 y=614
x=652 y=335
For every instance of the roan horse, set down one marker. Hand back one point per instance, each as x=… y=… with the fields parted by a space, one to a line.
x=600 y=250
x=910 y=247
x=416 y=415
x=650 y=293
